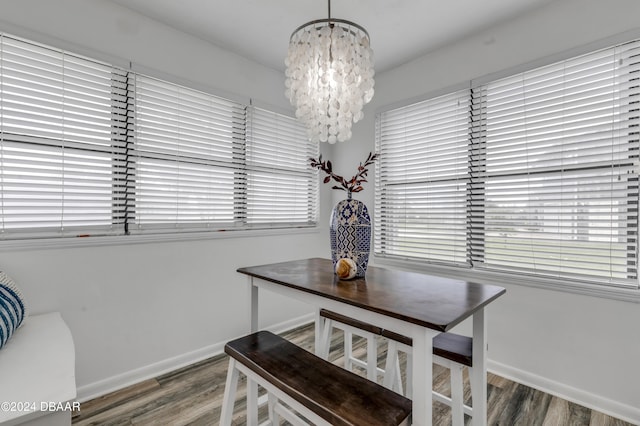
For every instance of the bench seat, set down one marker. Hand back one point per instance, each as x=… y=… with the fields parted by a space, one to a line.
x=450 y=350
x=454 y=347
x=451 y=346
x=337 y=396
x=37 y=367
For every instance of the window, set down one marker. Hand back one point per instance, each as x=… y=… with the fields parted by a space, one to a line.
x=60 y=121
x=422 y=178
x=189 y=150
x=281 y=187
x=91 y=149
x=558 y=153
x=552 y=167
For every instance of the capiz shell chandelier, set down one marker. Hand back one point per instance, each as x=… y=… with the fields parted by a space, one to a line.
x=329 y=76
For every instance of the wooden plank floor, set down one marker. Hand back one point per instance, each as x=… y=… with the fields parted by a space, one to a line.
x=193 y=396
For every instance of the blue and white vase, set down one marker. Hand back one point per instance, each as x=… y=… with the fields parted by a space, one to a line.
x=350 y=233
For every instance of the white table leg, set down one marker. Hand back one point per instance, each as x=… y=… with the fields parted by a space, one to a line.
x=253 y=308
x=479 y=370
x=252 y=387
x=422 y=377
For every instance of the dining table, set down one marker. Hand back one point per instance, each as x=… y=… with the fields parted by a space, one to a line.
x=413 y=304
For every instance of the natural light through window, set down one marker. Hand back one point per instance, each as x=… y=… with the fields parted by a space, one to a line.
x=90 y=149
x=548 y=173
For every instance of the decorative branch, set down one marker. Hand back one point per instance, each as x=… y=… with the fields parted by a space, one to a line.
x=352 y=185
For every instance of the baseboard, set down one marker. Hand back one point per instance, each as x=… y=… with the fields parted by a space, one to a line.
x=595 y=402
x=111 y=384
x=120 y=381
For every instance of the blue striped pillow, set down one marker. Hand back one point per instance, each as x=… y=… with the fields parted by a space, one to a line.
x=12 y=308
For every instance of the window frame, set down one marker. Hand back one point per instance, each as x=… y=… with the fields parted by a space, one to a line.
x=125 y=180
x=435 y=182
x=611 y=291
x=558 y=180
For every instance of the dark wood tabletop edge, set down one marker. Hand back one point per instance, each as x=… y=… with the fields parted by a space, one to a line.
x=439 y=327
x=477 y=308
x=434 y=326
x=246 y=269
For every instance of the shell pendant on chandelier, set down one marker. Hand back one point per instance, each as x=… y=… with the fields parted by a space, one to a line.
x=329 y=77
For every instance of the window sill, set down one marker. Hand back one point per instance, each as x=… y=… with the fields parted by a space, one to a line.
x=630 y=295
x=97 y=241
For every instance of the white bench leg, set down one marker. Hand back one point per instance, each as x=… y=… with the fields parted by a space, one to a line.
x=288 y=415
x=326 y=325
x=409 y=385
x=348 y=350
x=319 y=332
x=393 y=380
x=457 y=401
x=392 y=377
x=278 y=395
x=229 y=394
x=372 y=358
x=389 y=366
x=325 y=329
x=274 y=417
x=467 y=409
x=252 y=401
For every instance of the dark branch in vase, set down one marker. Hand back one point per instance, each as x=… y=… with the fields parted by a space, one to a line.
x=352 y=185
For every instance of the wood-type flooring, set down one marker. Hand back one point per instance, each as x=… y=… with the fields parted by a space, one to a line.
x=193 y=396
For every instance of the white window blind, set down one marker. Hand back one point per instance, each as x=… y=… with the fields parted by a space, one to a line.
x=421 y=180
x=558 y=158
x=91 y=149
x=189 y=158
x=62 y=136
x=281 y=187
x=546 y=174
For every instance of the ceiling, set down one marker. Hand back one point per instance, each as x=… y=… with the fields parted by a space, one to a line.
x=400 y=30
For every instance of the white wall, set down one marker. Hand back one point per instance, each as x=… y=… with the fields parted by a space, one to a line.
x=584 y=348
x=137 y=309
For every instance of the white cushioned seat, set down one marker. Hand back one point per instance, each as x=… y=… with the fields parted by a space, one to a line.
x=38 y=366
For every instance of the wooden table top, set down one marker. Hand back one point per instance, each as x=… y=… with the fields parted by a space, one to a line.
x=434 y=302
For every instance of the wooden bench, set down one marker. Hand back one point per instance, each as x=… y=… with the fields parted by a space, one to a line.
x=316 y=389
x=351 y=327
x=451 y=346
x=450 y=350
